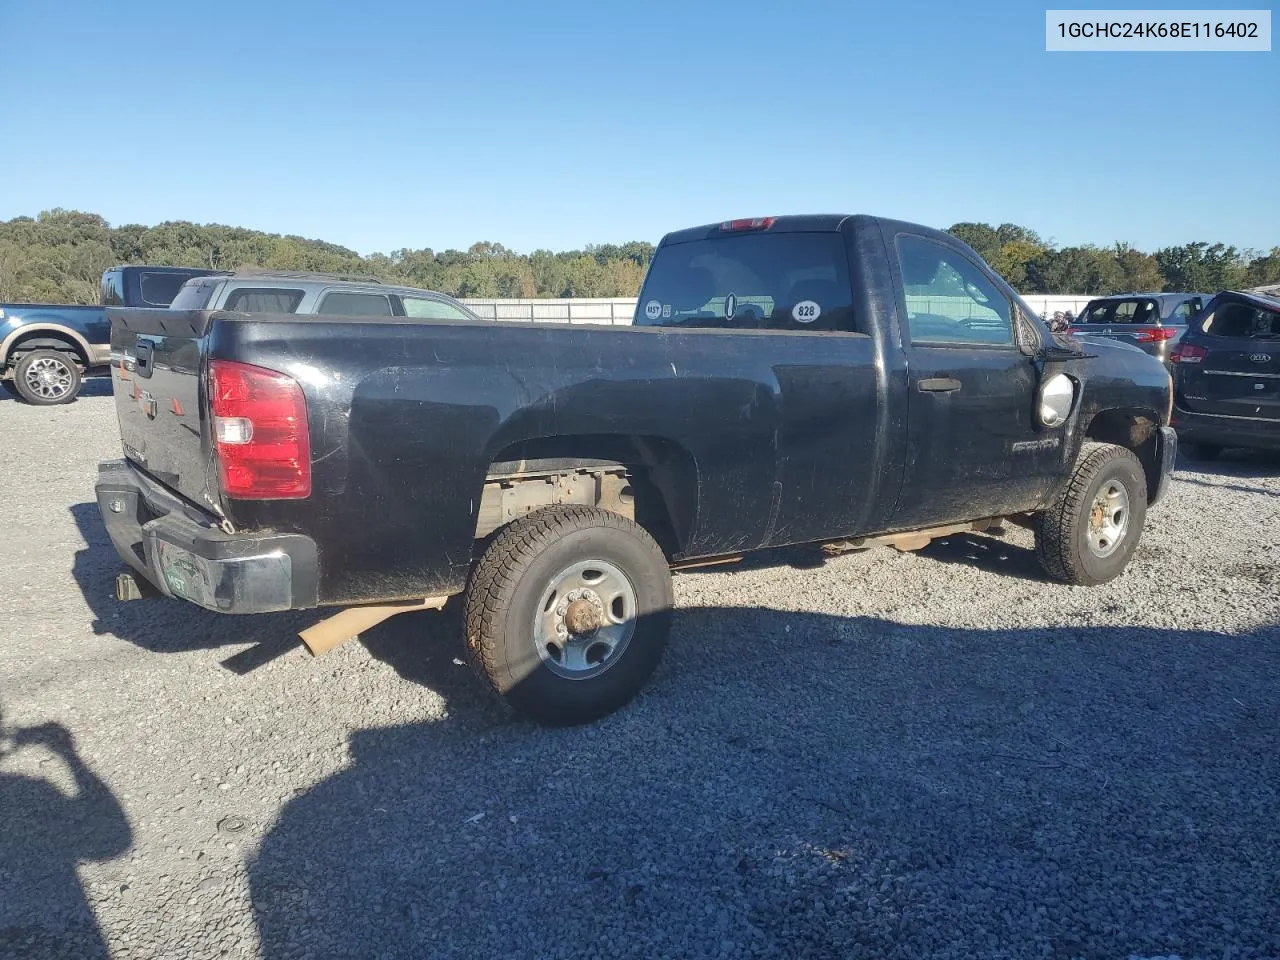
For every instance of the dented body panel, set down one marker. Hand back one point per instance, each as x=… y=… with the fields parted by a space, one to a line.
x=749 y=438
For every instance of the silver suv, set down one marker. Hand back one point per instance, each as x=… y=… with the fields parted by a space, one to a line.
x=1153 y=322
x=289 y=292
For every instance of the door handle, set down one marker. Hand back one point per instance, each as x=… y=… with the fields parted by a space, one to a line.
x=938 y=385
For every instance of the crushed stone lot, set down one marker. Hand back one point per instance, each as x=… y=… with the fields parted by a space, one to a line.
x=883 y=755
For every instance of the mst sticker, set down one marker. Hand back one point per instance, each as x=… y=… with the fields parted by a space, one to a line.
x=653 y=309
x=806 y=311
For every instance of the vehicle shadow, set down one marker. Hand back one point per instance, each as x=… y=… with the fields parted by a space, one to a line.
x=808 y=785
x=162 y=625
x=48 y=830
x=91 y=386
x=1234 y=462
x=986 y=553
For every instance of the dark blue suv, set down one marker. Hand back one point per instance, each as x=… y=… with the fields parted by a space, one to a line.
x=1226 y=380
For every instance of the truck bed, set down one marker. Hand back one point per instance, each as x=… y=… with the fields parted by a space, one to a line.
x=407 y=417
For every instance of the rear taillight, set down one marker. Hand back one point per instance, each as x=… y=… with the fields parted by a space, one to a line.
x=260 y=430
x=749 y=223
x=1157 y=335
x=1188 y=353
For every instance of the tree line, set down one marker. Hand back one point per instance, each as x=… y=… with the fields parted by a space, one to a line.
x=59 y=256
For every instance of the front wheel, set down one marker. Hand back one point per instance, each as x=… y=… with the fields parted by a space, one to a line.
x=1088 y=534
x=46 y=377
x=567 y=613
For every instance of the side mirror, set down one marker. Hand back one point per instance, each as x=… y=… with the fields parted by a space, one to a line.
x=1057 y=397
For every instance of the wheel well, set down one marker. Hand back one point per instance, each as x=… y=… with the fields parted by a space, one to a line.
x=1136 y=430
x=45 y=340
x=662 y=474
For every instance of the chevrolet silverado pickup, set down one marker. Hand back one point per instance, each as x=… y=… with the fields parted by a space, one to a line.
x=45 y=349
x=843 y=381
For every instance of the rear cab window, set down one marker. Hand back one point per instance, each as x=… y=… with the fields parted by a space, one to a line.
x=159 y=289
x=113 y=288
x=786 y=281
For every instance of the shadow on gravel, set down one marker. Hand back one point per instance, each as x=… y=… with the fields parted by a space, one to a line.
x=986 y=553
x=1234 y=462
x=801 y=785
x=89 y=387
x=164 y=625
x=46 y=831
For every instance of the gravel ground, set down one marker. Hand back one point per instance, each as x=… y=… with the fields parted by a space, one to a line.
x=934 y=754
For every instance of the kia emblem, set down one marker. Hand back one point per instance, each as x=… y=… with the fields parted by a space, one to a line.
x=1260 y=357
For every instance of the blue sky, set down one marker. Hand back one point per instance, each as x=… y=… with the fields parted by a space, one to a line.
x=392 y=123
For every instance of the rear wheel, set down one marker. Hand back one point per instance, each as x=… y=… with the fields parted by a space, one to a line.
x=46 y=377
x=1088 y=534
x=567 y=613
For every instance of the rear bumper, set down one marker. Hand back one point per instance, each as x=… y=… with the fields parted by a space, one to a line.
x=180 y=550
x=1227 y=431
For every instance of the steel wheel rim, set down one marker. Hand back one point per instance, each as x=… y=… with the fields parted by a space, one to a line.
x=48 y=378
x=585 y=619
x=1108 y=519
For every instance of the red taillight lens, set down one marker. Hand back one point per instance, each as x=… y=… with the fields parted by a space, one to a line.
x=750 y=223
x=260 y=430
x=1158 y=335
x=1188 y=353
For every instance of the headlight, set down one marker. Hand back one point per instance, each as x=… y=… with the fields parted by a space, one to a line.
x=1057 y=395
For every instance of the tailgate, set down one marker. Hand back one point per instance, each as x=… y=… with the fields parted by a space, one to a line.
x=155 y=373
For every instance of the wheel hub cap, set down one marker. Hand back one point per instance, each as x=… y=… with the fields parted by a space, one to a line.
x=48 y=378
x=585 y=620
x=1108 y=519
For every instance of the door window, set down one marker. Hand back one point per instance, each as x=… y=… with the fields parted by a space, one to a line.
x=428 y=309
x=356 y=305
x=263 y=300
x=949 y=300
x=1186 y=311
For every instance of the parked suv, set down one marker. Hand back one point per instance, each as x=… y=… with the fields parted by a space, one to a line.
x=290 y=292
x=1153 y=322
x=1227 y=375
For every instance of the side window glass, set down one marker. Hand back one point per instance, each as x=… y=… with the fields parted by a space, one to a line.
x=427 y=309
x=1186 y=311
x=356 y=305
x=949 y=300
x=1125 y=311
x=113 y=289
x=263 y=300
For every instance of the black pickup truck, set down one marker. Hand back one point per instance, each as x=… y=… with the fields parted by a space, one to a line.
x=837 y=380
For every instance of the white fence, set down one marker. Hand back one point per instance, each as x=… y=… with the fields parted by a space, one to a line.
x=620 y=310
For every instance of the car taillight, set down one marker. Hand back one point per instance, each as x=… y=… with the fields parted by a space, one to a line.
x=749 y=223
x=260 y=430
x=1158 y=335
x=1188 y=353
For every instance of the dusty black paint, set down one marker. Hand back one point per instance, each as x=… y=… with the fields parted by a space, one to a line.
x=791 y=436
